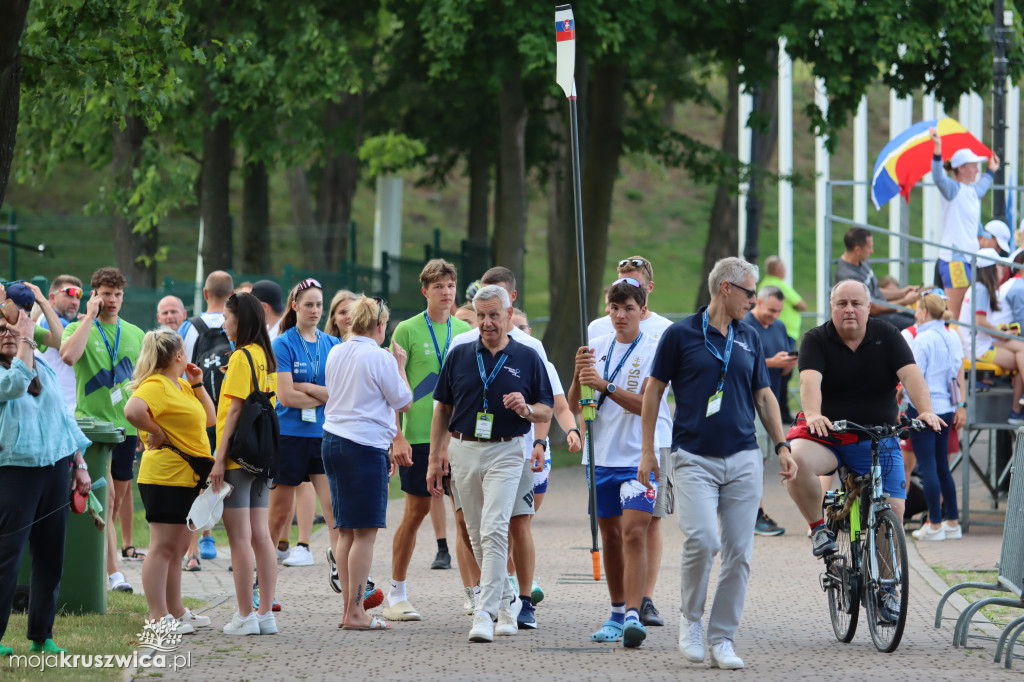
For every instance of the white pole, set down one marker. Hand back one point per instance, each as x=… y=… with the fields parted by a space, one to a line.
x=821 y=168
x=786 y=159
x=745 y=109
x=896 y=118
x=964 y=112
x=1012 y=175
x=387 y=226
x=977 y=128
x=931 y=228
x=197 y=299
x=860 y=162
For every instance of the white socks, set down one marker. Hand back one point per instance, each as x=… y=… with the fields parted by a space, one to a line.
x=397 y=593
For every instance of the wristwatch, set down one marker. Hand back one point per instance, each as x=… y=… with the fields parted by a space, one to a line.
x=529 y=413
x=541 y=442
x=83 y=465
x=609 y=389
x=783 y=444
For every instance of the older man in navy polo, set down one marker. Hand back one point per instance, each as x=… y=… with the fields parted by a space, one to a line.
x=716 y=365
x=487 y=395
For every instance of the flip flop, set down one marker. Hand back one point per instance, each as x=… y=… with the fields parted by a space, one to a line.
x=375 y=624
x=610 y=632
x=633 y=634
x=189 y=567
x=403 y=610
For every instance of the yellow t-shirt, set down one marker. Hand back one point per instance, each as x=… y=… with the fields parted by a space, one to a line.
x=180 y=414
x=238 y=384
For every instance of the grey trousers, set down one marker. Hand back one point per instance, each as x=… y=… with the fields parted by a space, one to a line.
x=487 y=478
x=717 y=500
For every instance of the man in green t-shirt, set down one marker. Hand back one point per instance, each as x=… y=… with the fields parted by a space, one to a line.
x=426 y=339
x=103 y=349
x=792 y=306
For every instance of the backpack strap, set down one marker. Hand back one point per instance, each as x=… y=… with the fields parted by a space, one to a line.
x=252 y=368
x=199 y=324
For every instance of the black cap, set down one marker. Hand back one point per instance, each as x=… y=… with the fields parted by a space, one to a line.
x=269 y=292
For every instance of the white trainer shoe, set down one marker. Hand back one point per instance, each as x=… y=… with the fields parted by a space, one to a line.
x=926 y=534
x=267 y=623
x=469 y=606
x=508 y=615
x=723 y=656
x=952 y=532
x=249 y=625
x=691 y=640
x=299 y=556
x=194 y=620
x=483 y=628
x=180 y=628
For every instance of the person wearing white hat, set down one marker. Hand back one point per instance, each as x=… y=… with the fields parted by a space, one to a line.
x=996 y=235
x=961 y=215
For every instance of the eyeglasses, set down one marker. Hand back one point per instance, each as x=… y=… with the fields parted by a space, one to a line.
x=628 y=280
x=637 y=263
x=751 y=293
x=72 y=291
x=380 y=307
x=307 y=284
x=8 y=331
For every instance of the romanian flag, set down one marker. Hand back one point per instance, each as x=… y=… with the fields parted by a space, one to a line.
x=908 y=157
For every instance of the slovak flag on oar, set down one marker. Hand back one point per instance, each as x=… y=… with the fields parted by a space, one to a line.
x=908 y=157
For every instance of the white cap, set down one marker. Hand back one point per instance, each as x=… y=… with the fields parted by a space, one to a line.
x=987 y=256
x=1000 y=231
x=965 y=155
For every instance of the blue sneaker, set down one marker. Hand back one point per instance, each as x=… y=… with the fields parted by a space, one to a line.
x=527 y=619
x=1016 y=417
x=255 y=596
x=207 y=547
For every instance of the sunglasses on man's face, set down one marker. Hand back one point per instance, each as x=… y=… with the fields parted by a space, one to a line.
x=637 y=263
x=76 y=292
x=751 y=293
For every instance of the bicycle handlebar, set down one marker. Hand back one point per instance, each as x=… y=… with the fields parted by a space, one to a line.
x=901 y=430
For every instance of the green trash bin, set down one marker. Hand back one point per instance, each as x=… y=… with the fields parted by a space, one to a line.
x=83 y=587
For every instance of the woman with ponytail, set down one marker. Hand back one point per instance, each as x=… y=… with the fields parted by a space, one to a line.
x=172 y=415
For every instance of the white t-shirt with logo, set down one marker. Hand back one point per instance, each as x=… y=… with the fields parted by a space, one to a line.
x=617 y=432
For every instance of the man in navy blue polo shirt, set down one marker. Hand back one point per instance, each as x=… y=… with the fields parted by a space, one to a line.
x=488 y=394
x=716 y=365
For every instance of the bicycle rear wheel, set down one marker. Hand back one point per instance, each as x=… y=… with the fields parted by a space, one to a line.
x=887 y=597
x=840 y=583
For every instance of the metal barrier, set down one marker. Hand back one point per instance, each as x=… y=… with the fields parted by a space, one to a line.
x=1011 y=570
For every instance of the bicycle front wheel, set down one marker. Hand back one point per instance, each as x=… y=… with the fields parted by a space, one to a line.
x=887 y=590
x=841 y=585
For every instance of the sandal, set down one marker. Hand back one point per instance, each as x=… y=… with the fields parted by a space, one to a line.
x=610 y=632
x=189 y=566
x=375 y=624
x=129 y=554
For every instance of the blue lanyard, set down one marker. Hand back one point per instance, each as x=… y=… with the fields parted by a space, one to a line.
x=447 y=344
x=608 y=358
x=714 y=351
x=302 y=342
x=488 y=379
x=117 y=341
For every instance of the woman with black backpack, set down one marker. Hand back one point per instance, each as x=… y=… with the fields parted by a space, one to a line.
x=251 y=371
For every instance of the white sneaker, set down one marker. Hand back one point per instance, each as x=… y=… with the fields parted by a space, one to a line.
x=722 y=656
x=483 y=628
x=194 y=620
x=691 y=640
x=299 y=556
x=508 y=615
x=117 y=583
x=926 y=534
x=267 y=623
x=952 y=532
x=180 y=628
x=282 y=554
x=249 y=625
x=469 y=606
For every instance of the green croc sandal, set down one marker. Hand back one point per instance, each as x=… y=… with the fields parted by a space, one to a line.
x=47 y=647
x=6 y=650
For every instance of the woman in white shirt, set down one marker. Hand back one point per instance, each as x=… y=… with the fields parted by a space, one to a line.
x=366 y=385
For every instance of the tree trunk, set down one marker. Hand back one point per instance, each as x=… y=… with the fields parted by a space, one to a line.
x=338 y=183
x=479 y=191
x=134 y=251
x=256 y=219
x=12 y=24
x=302 y=215
x=214 y=192
x=510 y=227
x=723 y=235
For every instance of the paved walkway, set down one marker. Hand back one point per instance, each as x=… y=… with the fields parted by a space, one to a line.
x=785 y=634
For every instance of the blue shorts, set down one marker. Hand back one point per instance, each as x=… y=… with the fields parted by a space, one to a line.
x=857 y=458
x=300 y=458
x=122 y=459
x=618 y=489
x=955 y=274
x=540 y=478
x=358 y=476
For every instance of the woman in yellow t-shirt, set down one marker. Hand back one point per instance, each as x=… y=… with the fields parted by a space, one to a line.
x=245 y=510
x=172 y=415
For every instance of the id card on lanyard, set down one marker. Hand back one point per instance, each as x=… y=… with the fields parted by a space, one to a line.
x=309 y=413
x=485 y=421
x=610 y=378
x=715 y=401
x=115 y=391
x=433 y=337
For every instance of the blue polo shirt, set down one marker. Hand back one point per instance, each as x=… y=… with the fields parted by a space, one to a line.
x=773 y=339
x=297 y=356
x=684 y=361
x=460 y=386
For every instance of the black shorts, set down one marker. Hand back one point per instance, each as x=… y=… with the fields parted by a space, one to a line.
x=414 y=478
x=167 y=503
x=300 y=458
x=122 y=459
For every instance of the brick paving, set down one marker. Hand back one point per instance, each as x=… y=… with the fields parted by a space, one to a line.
x=785 y=634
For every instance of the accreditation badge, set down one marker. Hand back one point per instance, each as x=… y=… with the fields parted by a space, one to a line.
x=309 y=415
x=115 y=396
x=714 y=404
x=484 y=424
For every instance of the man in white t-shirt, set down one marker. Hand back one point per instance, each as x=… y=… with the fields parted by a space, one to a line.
x=651 y=324
x=616 y=366
x=65 y=299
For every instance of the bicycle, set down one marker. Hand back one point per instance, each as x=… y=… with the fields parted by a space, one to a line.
x=870 y=565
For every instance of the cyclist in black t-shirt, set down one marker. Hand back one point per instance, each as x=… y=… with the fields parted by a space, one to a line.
x=849 y=369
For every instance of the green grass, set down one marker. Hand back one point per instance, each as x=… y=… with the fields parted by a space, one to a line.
x=998 y=615
x=113 y=632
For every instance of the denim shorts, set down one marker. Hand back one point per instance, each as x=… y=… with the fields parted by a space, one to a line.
x=857 y=458
x=358 y=476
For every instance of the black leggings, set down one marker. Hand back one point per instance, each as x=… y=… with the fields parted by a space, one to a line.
x=27 y=495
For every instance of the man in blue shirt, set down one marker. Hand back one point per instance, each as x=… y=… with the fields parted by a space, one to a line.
x=488 y=394
x=716 y=366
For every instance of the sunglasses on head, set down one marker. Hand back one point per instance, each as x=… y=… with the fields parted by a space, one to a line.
x=637 y=263
x=72 y=291
x=380 y=307
x=309 y=283
x=937 y=292
x=628 y=280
